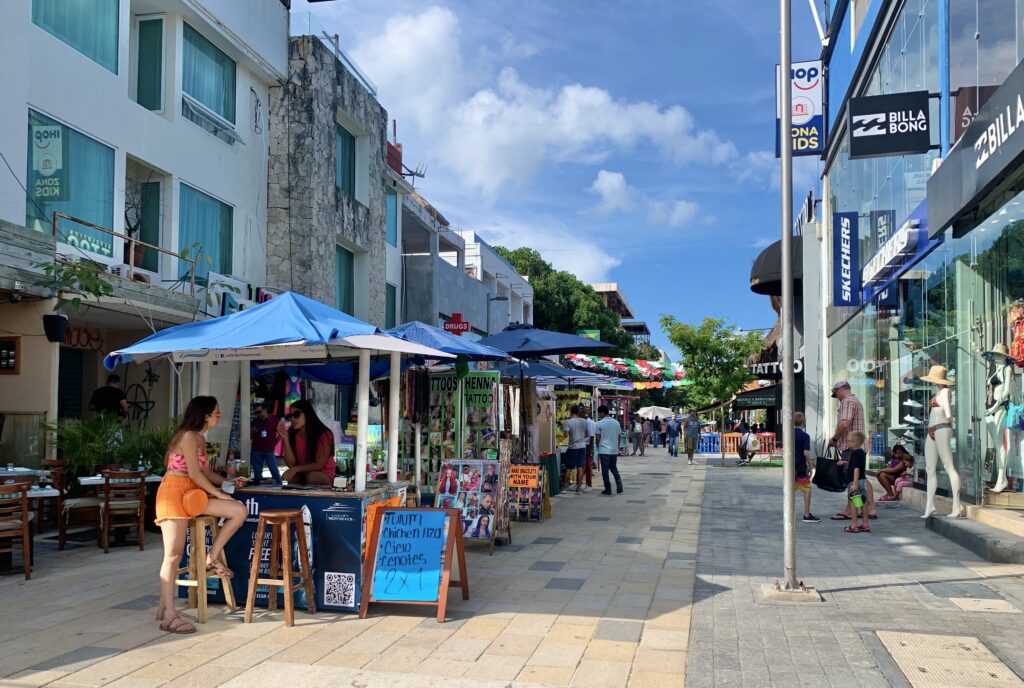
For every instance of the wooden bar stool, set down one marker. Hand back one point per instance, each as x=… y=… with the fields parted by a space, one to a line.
x=196 y=569
x=281 y=574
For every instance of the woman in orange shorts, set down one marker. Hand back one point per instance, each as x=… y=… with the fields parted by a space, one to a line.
x=190 y=489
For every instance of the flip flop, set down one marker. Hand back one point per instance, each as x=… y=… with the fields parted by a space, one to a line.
x=873 y=516
x=840 y=517
x=851 y=529
x=220 y=570
x=183 y=627
x=865 y=529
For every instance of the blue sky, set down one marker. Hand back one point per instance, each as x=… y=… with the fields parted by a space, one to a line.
x=629 y=142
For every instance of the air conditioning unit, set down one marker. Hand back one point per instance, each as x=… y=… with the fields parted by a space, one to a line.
x=138 y=274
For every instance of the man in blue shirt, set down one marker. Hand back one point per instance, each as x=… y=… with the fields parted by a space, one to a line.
x=608 y=431
x=655 y=431
x=672 y=434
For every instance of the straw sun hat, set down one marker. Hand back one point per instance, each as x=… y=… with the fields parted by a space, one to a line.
x=999 y=349
x=937 y=376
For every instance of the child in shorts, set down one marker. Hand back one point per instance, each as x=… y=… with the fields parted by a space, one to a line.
x=856 y=476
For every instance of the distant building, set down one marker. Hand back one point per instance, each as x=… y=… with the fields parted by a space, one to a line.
x=638 y=330
x=614 y=299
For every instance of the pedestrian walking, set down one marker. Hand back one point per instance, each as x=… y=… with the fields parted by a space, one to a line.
x=655 y=431
x=802 y=450
x=855 y=474
x=648 y=431
x=850 y=420
x=691 y=435
x=608 y=431
x=637 y=436
x=663 y=436
x=588 y=463
x=576 y=454
x=672 y=428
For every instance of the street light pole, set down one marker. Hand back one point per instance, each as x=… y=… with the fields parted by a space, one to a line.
x=789 y=582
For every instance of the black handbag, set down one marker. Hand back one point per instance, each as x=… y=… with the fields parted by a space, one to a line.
x=828 y=474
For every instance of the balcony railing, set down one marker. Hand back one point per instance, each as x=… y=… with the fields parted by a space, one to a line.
x=132 y=243
x=305 y=24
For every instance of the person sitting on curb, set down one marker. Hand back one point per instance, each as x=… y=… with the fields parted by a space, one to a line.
x=901 y=462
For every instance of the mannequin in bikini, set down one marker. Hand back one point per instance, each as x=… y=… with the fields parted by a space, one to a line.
x=938 y=442
x=1000 y=398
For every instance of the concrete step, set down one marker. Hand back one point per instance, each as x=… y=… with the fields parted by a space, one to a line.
x=1012 y=521
x=988 y=542
x=1006 y=500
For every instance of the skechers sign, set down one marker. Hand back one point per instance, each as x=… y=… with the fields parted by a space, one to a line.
x=845 y=260
x=808 y=117
x=895 y=124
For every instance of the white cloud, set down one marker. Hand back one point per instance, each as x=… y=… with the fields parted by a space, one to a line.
x=416 y=64
x=615 y=193
x=763 y=170
x=512 y=49
x=673 y=214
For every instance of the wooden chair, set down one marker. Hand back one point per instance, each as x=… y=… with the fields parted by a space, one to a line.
x=15 y=521
x=281 y=574
x=124 y=504
x=70 y=506
x=196 y=572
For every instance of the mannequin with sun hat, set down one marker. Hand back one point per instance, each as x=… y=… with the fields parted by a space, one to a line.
x=938 y=443
x=1001 y=408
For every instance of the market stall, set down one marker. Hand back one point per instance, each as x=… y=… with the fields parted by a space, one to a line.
x=288 y=329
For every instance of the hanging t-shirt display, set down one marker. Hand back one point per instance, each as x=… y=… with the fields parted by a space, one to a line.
x=480 y=427
x=443 y=440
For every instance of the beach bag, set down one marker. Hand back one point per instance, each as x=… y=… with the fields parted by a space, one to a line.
x=753 y=444
x=828 y=474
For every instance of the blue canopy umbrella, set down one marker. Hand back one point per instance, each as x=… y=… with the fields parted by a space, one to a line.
x=436 y=338
x=526 y=341
x=341 y=373
x=287 y=327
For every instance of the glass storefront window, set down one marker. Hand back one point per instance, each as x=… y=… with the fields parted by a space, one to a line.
x=71 y=173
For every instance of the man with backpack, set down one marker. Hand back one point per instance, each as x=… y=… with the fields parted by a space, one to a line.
x=637 y=435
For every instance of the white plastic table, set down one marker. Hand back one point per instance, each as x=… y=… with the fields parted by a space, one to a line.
x=94 y=480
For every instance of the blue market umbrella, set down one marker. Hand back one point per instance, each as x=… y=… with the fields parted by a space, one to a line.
x=436 y=338
x=547 y=373
x=526 y=341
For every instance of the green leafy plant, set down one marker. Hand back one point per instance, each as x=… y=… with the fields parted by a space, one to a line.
x=72 y=281
x=196 y=250
x=86 y=443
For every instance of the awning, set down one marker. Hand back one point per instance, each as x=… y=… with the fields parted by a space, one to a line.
x=766 y=273
x=763 y=397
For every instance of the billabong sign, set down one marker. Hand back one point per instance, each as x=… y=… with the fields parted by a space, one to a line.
x=902 y=243
x=845 y=260
x=895 y=124
x=999 y=130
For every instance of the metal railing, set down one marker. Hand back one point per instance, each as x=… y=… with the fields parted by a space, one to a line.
x=132 y=243
x=305 y=24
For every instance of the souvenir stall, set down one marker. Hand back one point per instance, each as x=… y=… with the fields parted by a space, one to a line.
x=304 y=331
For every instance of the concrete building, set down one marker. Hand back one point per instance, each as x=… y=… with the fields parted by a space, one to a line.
x=510 y=297
x=334 y=228
x=614 y=299
x=638 y=330
x=140 y=116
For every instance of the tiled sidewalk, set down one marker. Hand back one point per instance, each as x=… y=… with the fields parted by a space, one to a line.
x=900 y=577
x=598 y=596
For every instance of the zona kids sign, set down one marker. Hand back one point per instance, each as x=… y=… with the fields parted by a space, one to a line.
x=808 y=117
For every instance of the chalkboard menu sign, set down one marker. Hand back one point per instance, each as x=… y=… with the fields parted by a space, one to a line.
x=10 y=355
x=410 y=556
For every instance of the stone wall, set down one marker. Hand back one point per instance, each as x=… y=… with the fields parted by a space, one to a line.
x=308 y=215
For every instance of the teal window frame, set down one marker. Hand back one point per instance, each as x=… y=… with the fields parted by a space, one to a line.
x=149 y=223
x=344 y=280
x=209 y=76
x=85 y=188
x=390 y=306
x=344 y=159
x=391 y=217
x=90 y=28
x=209 y=222
x=149 y=77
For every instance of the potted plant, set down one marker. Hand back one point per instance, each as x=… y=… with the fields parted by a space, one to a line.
x=85 y=443
x=68 y=283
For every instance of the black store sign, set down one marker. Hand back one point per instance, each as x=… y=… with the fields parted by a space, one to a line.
x=895 y=124
x=992 y=146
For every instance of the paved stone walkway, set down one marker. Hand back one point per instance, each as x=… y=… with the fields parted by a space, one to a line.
x=900 y=577
x=597 y=596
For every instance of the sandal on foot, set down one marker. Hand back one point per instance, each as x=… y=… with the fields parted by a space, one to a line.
x=865 y=529
x=851 y=529
x=219 y=569
x=840 y=517
x=178 y=625
x=873 y=516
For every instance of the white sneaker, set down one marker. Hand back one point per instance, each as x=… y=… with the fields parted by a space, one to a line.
x=910 y=419
x=913 y=404
x=586 y=488
x=689 y=463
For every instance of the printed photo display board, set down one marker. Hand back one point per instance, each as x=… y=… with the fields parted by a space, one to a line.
x=472 y=487
x=565 y=399
x=526 y=493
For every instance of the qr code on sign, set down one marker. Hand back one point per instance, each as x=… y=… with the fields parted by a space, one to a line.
x=339 y=589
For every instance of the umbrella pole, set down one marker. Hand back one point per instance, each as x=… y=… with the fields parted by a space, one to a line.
x=417 y=443
x=362 y=418
x=394 y=389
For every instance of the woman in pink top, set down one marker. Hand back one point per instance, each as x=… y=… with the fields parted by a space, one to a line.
x=187 y=471
x=308 y=447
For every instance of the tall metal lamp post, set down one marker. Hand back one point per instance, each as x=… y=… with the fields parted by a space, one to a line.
x=489 y=300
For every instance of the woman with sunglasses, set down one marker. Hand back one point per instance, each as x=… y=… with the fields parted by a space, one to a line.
x=189 y=489
x=308 y=447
